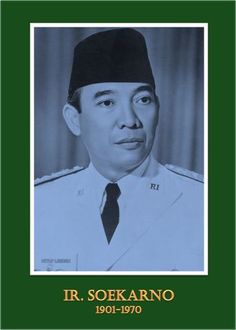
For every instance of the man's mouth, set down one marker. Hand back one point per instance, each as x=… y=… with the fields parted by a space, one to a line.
x=132 y=143
x=130 y=140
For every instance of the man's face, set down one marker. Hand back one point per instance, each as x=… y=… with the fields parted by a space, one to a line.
x=118 y=123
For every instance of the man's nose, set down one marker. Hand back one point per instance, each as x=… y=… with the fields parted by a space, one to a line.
x=127 y=117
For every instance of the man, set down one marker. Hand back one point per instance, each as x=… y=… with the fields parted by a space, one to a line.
x=125 y=212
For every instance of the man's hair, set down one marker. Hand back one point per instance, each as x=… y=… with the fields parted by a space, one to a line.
x=75 y=100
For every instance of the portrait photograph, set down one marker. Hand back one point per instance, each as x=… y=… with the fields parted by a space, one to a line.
x=119 y=149
x=118 y=164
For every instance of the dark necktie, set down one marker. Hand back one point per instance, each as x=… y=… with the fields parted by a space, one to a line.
x=110 y=213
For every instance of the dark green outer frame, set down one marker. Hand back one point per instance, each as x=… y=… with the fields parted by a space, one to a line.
x=37 y=301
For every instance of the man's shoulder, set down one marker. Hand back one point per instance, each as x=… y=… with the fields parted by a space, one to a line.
x=189 y=188
x=58 y=178
x=59 y=183
x=188 y=182
x=184 y=175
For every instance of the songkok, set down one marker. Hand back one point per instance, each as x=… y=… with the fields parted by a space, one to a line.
x=118 y=55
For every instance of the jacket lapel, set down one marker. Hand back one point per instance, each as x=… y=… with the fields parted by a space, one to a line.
x=92 y=243
x=152 y=198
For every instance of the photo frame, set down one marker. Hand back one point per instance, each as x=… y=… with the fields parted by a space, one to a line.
x=195 y=40
x=23 y=295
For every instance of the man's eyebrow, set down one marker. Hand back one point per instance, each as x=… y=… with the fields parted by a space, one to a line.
x=110 y=91
x=144 y=88
x=104 y=92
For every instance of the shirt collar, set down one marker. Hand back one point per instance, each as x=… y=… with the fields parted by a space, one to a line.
x=126 y=183
x=97 y=183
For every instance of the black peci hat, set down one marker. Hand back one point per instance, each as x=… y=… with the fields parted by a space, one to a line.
x=118 y=55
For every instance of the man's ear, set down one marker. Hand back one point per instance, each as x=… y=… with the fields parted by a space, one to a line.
x=71 y=116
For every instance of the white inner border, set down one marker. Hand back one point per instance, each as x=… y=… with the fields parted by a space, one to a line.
x=108 y=25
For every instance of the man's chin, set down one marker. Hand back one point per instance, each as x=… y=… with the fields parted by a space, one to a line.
x=128 y=164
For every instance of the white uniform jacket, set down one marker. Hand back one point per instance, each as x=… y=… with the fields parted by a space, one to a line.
x=161 y=226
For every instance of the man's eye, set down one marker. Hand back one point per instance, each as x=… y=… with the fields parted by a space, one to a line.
x=106 y=103
x=144 y=100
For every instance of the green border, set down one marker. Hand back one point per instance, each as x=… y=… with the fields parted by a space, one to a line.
x=36 y=302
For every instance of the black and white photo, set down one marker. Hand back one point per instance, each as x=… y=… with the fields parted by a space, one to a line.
x=119 y=154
